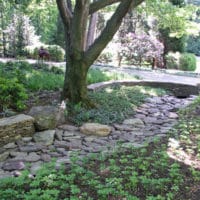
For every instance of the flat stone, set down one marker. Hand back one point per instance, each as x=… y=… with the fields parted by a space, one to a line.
x=173 y=115
x=12 y=128
x=27 y=139
x=44 y=137
x=59 y=134
x=4 y=156
x=67 y=127
x=18 y=154
x=46 y=157
x=134 y=122
x=13 y=165
x=31 y=148
x=32 y=157
x=10 y=146
x=95 y=129
x=61 y=144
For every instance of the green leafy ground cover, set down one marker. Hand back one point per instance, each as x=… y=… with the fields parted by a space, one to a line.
x=113 y=104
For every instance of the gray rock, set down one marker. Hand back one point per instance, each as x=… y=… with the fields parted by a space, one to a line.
x=134 y=122
x=35 y=167
x=10 y=146
x=13 y=165
x=173 y=115
x=59 y=134
x=67 y=127
x=13 y=128
x=95 y=129
x=46 y=157
x=32 y=157
x=31 y=148
x=18 y=154
x=4 y=156
x=4 y=174
x=27 y=139
x=45 y=117
x=44 y=137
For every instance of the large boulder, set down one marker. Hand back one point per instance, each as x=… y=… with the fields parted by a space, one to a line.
x=15 y=127
x=95 y=129
x=44 y=137
x=46 y=117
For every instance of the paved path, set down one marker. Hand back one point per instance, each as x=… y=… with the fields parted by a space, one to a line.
x=156 y=75
x=149 y=75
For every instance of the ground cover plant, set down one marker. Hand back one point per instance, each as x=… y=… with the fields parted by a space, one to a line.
x=146 y=173
x=113 y=104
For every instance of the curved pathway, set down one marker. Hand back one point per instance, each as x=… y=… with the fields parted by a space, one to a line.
x=152 y=119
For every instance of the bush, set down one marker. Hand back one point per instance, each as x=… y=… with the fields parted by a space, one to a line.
x=105 y=57
x=12 y=94
x=172 y=60
x=56 y=53
x=188 y=62
x=193 y=45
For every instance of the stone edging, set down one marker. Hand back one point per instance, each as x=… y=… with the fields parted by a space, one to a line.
x=178 y=89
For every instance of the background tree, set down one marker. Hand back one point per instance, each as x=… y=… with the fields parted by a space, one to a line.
x=79 y=59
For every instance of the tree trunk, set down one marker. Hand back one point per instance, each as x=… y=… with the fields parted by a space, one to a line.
x=75 y=84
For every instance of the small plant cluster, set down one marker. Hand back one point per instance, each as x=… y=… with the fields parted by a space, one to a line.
x=20 y=78
x=56 y=52
x=188 y=128
x=145 y=173
x=138 y=48
x=184 y=61
x=114 y=104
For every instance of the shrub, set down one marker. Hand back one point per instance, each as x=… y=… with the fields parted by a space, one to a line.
x=188 y=62
x=193 y=45
x=141 y=48
x=172 y=60
x=12 y=94
x=56 y=53
x=105 y=57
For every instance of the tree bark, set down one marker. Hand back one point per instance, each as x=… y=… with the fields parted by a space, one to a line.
x=75 y=85
x=78 y=57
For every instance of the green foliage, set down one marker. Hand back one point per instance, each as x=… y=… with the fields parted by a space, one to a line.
x=172 y=60
x=12 y=94
x=193 y=45
x=105 y=57
x=42 y=80
x=113 y=104
x=56 y=53
x=173 y=43
x=126 y=173
x=188 y=62
x=96 y=75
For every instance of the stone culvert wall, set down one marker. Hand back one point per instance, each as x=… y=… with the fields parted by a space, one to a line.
x=15 y=127
x=178 y=89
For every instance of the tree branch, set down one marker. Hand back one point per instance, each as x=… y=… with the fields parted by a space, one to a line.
x=79 y=25
x=111 y=28
x=65 y=12
x=95 y=6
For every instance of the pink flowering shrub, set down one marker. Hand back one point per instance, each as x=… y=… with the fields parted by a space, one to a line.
x=138 y=49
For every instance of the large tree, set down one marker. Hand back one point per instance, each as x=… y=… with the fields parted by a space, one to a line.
x=79 y=56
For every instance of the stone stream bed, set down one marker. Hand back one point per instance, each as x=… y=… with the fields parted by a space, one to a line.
x=152 y=119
